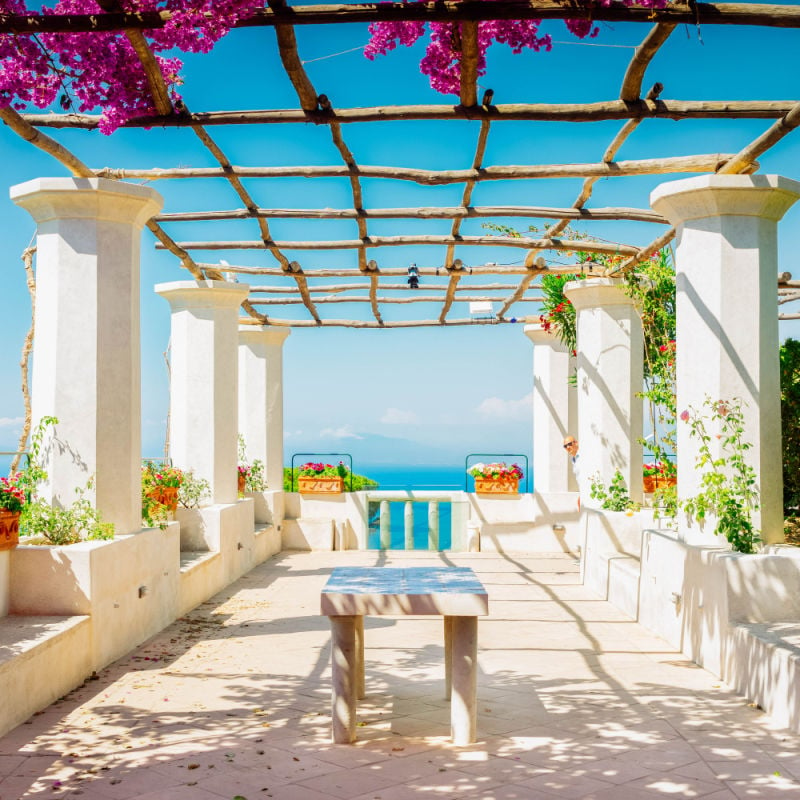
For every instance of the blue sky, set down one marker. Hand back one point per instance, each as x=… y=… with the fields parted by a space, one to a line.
x=427 y=394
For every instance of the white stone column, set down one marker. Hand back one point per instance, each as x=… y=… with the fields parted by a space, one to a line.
x=610 y=373
x=87 y=357
x=204 y=386
x=261 y=397
x=555 y=411
x=727 y=321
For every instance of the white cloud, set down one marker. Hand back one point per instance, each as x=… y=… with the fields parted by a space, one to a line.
x=11 y=422
x=396 y=416
x=342 y=432
x=499 y=408
x=292 y=434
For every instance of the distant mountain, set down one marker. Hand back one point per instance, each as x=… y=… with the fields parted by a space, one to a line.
x=370 y=448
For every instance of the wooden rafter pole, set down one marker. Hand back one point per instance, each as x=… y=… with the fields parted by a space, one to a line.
x=519 y=112
x=155 y=78
x=634 y=76
x=442 y=212
x=469 y=63
x=287 y=47
x=386 y=287
x=482 y=269
x=412 y=297
x=707 y=162
x=784 y=16
x=745 y=159
x=351 y=323
x=41 y=140
x=469 y=186
x=587 y=246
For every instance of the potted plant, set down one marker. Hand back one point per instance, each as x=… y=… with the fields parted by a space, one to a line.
x=319 y=478
x=12 y=500
x=160 y=485
x=496 y=478
x=249 y=476
x=658 y=475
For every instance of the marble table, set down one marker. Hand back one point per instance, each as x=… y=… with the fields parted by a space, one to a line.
x=454 y=593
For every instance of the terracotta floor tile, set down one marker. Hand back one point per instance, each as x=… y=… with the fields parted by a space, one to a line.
x=575 y=701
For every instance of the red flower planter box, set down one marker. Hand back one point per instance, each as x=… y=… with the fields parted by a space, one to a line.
x=497 y=485
x=310 y=485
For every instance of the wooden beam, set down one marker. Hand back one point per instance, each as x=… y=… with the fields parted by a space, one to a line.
x=745 y=159
x=783 y=16
x=386 y=287
x=646 y=166
x=469 y=63
x=153 y=74
x=521 y=112
x=444 y=212
x=482 y=269
x=412 y=297
x=41 y=140
x=632 y=82
x=586 y=246
x=349 y=323
x=287 y=47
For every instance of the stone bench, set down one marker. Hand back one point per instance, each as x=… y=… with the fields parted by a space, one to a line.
x=30 y=646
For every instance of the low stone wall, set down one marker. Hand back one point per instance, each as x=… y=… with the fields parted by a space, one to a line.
x=522 y=523
x=736 y=615
x=101 y=599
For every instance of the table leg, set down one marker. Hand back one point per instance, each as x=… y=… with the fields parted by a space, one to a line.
x=448 y=657
x=344 y=666
x=463 y=705
x=361 y=691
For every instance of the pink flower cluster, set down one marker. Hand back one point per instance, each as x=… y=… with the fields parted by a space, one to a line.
x=497 y=471
x=102 y=69
x=442 y=60
x=12 y=495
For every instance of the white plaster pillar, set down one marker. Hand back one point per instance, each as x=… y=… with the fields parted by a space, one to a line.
x=204 y=385
x=87 y=357
x=727 y=321
x=261 y=397
x=555 y=411
x=610 y=373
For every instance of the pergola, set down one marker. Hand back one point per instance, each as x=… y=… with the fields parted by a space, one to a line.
x=725 y=220
x=461 y=278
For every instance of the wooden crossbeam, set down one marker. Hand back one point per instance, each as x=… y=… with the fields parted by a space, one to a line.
x=469 y=63
x=643 y=55
x=352 y=323
x=646 y=166
x=413 y=297
x=482 y=269
x=783 y=16
x=520 y=112
x=586 y=246
x=423 y=212
x=386 y=287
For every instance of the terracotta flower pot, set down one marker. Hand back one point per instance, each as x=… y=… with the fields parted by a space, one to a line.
x=497 y=485
x=9 y=529
x=166 y=495
x=241 y=482
x=311 y=485
x=652 y=482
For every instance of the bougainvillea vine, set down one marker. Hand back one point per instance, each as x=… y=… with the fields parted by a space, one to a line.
x=442 y=59
x=83 y=71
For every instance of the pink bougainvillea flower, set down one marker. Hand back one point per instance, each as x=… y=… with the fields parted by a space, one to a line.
x=685 y=415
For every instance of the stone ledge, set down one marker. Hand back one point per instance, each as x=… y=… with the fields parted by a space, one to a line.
x=29 y=647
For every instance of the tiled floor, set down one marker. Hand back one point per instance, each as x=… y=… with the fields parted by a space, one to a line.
x=233 y=701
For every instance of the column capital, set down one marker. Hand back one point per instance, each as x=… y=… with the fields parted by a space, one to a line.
x=593 y=292
x=203 y=294
x=538 y=335
x=263 y=334
x=96 y=199
x=766 y=196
